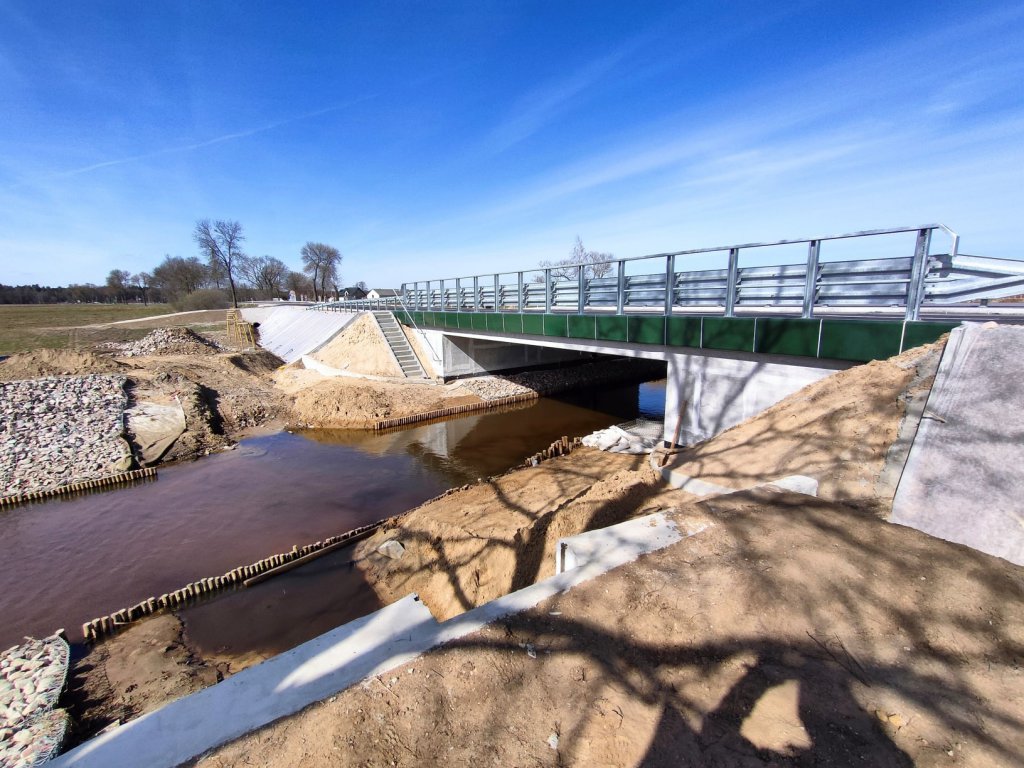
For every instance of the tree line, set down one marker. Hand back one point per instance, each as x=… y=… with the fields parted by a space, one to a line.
x=222 y=273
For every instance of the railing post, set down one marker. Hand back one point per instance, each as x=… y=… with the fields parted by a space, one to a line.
x=519 y=293
x=620 y=289
x=547 y=290
x=918 y=272
x=496 y=309
x=476 y=293
x=811 y=280
x=734 y=274
x=670 y=284
x=458 y=294
x=581 y=282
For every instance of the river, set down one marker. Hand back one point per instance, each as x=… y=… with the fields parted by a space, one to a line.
x=64 y=562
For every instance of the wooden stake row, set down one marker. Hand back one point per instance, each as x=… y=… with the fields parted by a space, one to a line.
x=84 y=485
x=105 y=626
x=454 y=410
x=562 y=447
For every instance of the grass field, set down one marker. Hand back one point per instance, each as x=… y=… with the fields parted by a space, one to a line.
x=59 y=326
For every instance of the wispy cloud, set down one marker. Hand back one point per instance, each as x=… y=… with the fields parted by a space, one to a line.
x=542 y=105
x=200 y=144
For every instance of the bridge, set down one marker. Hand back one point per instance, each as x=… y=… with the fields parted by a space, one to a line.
x=740 y=326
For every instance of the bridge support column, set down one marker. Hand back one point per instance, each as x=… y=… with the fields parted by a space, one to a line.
x=718 y=392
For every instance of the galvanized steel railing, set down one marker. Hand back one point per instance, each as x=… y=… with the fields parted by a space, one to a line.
x=887 y=282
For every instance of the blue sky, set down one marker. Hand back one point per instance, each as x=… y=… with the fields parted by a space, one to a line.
x=441 y=139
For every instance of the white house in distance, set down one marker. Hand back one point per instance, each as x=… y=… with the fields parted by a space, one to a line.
x=382 y=293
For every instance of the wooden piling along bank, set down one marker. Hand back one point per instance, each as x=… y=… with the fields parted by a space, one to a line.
x=247 y=574
x=84 y=485
x=562 y=447
x=455 y=410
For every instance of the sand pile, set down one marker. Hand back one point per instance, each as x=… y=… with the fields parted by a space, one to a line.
x=55 y=362
x=360 y=348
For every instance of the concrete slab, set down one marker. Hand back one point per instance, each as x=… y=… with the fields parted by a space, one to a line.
x=963 y=480
x=642 y=535
x=153 y=428
x=291 y=332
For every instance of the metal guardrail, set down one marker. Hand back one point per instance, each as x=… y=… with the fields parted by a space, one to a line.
x=901 y=281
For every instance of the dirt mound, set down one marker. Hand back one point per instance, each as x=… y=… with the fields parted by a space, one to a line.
x=55 y=362
x=360 y=348
x=482 y=542
x=351 y=403
x=166 y=341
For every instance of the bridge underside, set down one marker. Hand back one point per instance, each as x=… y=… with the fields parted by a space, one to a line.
x=711 y=390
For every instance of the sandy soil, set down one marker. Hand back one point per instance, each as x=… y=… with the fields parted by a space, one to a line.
x=794 y=631
x=491 y=538
x=360 y=348
x=351 y=403
x=56 y=362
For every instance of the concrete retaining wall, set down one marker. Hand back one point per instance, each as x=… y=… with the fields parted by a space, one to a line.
x=291 y=332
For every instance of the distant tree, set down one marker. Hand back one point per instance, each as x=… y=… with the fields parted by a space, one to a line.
x=265 y=274
x=176 y=277
x=321 y=262
x=142 y=282
x=221 y=243
x=361 y=285
x=117 y=284
x=594 y=264
x=300 y=283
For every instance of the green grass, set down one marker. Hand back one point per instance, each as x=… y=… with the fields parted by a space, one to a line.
x=59 y=326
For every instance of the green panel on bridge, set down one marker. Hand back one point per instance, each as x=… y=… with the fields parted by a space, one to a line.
x=495 y=322
x=451 y=320
x=479 y=322
x=513 y=323
x=582 y=327
x=860 y=340
x=556 y=325
x=787 y=336
x=683 y=332
x=732 y=333
x=466 y=320
x=646 y=330
x=533 y=324
x=916 y=334
x=611 y=328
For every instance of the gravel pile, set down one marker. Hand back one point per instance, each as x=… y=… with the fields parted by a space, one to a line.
x=166 y=341
x=57 y=431
x=32 y=676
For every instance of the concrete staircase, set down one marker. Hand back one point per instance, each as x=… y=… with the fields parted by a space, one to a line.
x=400 y=345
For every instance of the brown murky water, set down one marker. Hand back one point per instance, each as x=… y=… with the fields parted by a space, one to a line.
x=65 y=562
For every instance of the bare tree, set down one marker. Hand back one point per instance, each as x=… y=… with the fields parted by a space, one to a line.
x=593 y=263
x=117 y=284
x=265 y=274
x=321 y=262
x=221 y=243
x=142 y=283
